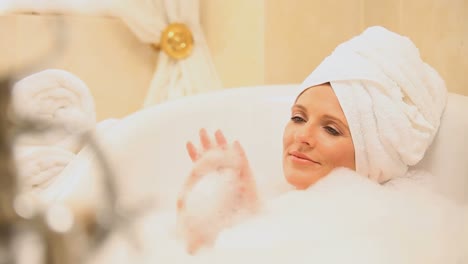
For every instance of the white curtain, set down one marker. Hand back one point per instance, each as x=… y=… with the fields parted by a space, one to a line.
x=173 y=78
x=147 y=19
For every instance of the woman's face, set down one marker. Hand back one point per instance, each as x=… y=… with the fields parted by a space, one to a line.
x=316 y=139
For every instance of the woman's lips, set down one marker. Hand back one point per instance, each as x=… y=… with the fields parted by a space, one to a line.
x=300 y=157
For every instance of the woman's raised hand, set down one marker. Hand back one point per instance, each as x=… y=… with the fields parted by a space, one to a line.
x=216 y=156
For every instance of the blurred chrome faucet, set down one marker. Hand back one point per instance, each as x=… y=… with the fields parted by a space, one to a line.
x=54 y=235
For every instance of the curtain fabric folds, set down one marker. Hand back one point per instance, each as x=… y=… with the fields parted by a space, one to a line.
x=147 y=19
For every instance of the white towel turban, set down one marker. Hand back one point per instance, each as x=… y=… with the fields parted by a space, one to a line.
x=392 y=100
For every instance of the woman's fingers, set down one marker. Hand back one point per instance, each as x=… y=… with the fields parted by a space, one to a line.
x=245 y=166
x=192 y=151
x=249 y=186
x=239 y=149
x=205 y=139
x=205 y=143
x=220 y=139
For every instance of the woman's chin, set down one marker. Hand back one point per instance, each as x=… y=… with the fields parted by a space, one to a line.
x=301 y=182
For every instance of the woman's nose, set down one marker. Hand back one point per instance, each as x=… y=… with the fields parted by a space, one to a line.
x=306 y=135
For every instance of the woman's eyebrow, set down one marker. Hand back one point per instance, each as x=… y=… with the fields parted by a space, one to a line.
x=336 y=120
x=301 y=107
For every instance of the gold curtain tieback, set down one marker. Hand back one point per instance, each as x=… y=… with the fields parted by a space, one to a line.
x=176 y=41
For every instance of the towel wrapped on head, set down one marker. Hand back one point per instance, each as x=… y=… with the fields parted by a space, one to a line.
x=392 y=99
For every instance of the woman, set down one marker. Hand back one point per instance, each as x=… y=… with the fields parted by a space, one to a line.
x=373 y=106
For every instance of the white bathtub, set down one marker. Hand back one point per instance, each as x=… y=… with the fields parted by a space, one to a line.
x=148 y=158
x=148 y=147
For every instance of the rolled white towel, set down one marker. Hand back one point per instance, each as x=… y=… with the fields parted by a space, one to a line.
x=39 y=167
x=59 y=100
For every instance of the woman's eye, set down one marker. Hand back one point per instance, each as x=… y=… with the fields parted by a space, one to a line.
x=297 y=119
x=330 y=130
